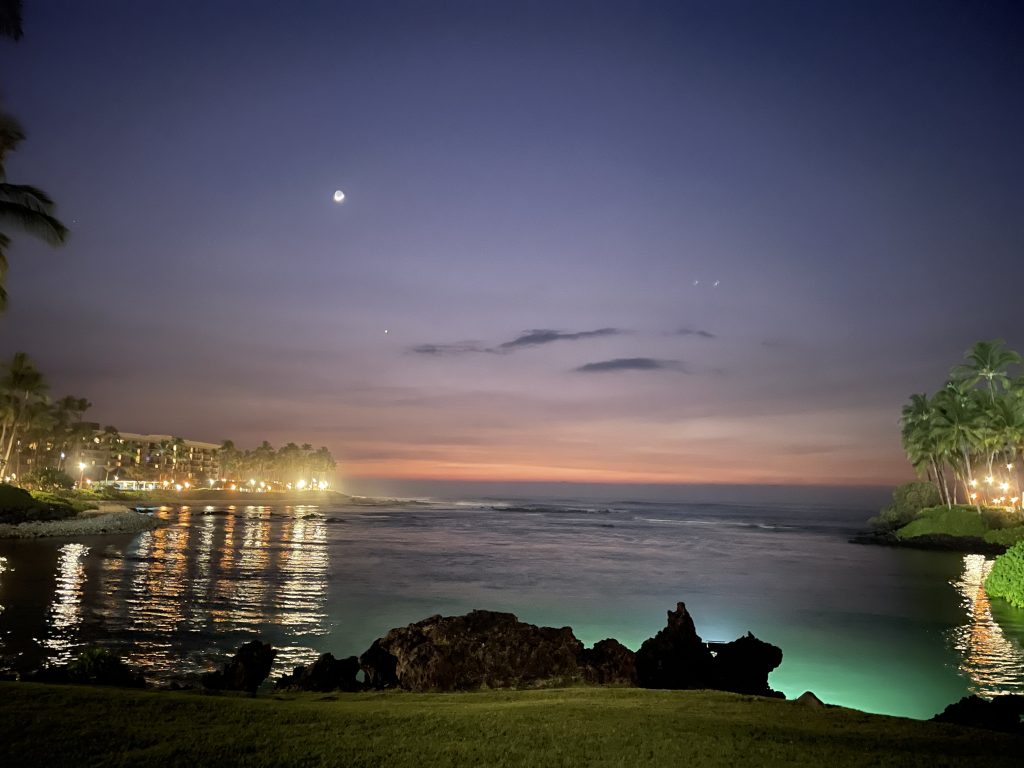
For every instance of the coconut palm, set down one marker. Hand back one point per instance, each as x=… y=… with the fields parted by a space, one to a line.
x=21 y=385
x=987 y=361
x=957 y=430
x=22 y=207
x=921 y=443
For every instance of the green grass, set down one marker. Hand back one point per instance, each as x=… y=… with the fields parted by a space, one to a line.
x=70 y=726
x=958 y=521
x=1006 y=536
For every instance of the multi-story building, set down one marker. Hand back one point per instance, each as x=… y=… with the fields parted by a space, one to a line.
x=111 y=455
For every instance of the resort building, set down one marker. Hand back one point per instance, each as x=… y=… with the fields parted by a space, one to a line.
x=112 y=455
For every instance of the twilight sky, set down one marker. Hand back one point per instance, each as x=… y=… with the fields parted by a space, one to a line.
x=709 y=242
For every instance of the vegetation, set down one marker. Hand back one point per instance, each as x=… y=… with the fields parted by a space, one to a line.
x=966 y=438
x=961 y=521
x=907 y=501
x=567 y=727
x=1006 y=580
x=1005 y=536
x=19 y=506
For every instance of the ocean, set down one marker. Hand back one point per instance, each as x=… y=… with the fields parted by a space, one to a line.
x=885 y=630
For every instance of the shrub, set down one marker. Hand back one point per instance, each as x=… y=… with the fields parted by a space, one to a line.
x=98 y=666
x=14 y=498
x=907 y=501
x=19 y=506
x=958 y=521
x=1007 y=577
x=1006 y=536
x=76 y=504
x=50 y=479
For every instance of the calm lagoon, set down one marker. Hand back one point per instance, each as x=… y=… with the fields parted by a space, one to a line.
x=884 y=630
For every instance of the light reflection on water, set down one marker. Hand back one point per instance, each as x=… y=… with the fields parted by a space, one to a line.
x=66 y=609
x=992 y=662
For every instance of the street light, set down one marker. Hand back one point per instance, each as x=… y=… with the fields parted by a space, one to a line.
x=81 y=478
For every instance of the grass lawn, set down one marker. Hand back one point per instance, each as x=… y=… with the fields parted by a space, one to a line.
x=76 y=726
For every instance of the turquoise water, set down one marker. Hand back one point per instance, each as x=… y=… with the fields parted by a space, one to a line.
x=884 y=630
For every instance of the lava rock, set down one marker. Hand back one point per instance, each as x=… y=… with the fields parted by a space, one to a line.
x=808 y=699
x=482 y=649
x=1002 y=713
x=743 y=665
x=676 y=657
x=94 y=666
x=249 y=667
x=323 y=675
x=609 y=662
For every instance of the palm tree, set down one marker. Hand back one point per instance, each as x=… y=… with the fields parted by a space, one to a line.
x=957 y=430
x=21 y=385
x=987 y=361
x=922 y=446
x=22 y=207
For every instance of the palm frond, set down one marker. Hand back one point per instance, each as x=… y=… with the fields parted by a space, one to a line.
x=27 y=195
x=10 y=19
x=37 y=223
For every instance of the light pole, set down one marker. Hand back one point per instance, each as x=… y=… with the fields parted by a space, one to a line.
x=81 y=478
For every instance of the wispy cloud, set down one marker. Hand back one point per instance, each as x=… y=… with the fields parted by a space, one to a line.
x=540 y=336
x=633 y=364
x=442 y=350
x=695 y=332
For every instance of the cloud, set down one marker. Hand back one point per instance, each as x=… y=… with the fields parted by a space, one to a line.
x=457 y=348
x=546 y=336
x=695 y=332
x=632 y=364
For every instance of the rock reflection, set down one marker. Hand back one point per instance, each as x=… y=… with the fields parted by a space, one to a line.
x=991 y=661
x=66 y=610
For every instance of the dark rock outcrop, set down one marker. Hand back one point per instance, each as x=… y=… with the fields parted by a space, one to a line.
x=1002 y=713
x=676 y=657
x=323 y=675
x=808 y=699
x=249 y=667
x=609 y=662
x=94 y=666
x=482 y=649
x=743 y=665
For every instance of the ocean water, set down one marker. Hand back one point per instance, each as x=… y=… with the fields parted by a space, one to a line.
x=885 y=630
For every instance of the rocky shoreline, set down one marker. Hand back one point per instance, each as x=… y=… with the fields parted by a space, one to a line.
x=939 y=542
x=90 y=523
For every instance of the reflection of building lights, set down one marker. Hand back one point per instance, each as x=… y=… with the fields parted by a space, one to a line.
x=177 y=486
x=989 y=480
x=974 y=496
x=1009 y=466
x=992 y=662
x=1005 y=486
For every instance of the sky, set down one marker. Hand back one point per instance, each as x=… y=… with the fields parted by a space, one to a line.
x=685 y=242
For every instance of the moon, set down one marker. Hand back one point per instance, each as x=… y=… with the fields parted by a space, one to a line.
x=339 y=196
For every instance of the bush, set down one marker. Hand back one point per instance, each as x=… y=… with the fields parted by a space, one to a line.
x=13 y=498
x=98 y=666
x=76 y=504
x=907 y=501
x=1006 y=536
x=50 y=479
x=960 y=521
x=1007 y=577
x=19 y=506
